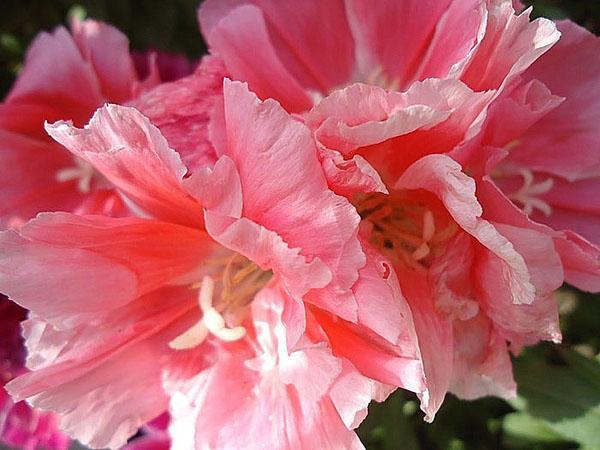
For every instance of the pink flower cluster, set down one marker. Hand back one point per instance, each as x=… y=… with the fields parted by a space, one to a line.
x=344 y=198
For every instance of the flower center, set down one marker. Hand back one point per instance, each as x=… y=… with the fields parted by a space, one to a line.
x=239 y=280
x=406 y=230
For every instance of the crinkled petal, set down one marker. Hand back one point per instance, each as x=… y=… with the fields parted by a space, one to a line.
x=127 y=149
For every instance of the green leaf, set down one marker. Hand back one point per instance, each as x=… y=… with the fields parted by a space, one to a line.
x=563 y=398
x=521 y=430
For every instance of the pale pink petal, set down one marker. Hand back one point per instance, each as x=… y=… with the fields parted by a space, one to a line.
x=391 y=130
x=348 y=177
x=132 y=154
x=362 y=115
x=270 y=252
x=372 y=355
x=522 y=324
x=450 y=274
x=515 y=112
x=351 y=394
x=107 y=50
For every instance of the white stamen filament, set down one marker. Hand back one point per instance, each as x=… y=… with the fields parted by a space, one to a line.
x=82 y=171
x=427 y=234
x=211 y=322
x=528 y=192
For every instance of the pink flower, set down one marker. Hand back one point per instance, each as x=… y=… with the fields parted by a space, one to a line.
x=20 y=425
x=38 y=174
x=475 y=274
x=203 y=302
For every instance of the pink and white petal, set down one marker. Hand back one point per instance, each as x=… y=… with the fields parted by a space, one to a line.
x=511 y=45
x=241 y=38
x=482 y=364
x=443 y=176
x=108 y=262
x=566 y=142
x=283 y=185
x=132 y=154
x=277 y=400
x=362 y=115
x=107 y=50
x=182 y=111
x=72 y=84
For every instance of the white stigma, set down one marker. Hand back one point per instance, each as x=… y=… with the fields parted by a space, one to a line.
x=211 y=322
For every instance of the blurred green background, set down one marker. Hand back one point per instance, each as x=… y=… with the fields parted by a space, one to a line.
x=559 y=386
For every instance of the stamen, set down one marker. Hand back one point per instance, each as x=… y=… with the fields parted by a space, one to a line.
x=378 y=77
x=82 y=171
x=406 y=231
x=211 y=322
x=526 y=196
